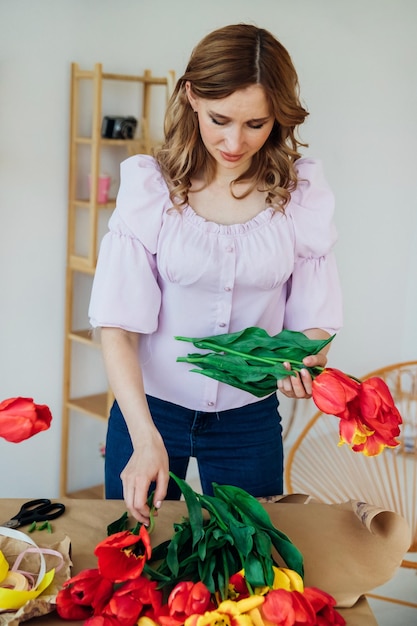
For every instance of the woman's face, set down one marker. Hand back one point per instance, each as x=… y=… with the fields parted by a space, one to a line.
x=234 y=128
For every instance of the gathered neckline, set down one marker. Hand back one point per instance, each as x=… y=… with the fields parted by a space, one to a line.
x=263 y=217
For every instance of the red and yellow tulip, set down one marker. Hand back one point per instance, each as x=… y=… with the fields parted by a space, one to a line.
x=122 y=556
x=369 y=419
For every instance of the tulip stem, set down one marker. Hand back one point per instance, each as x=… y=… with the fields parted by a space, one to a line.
x=262 y=359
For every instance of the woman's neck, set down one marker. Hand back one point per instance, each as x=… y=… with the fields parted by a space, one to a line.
x=216 y=202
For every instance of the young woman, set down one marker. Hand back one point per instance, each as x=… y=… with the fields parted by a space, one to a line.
x=227 y=227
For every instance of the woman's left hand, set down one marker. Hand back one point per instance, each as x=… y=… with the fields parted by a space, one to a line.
x=300 y=386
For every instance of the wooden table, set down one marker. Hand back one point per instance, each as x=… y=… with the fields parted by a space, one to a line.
x=85 y=523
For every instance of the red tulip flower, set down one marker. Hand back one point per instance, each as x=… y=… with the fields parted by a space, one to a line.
x=288 y=608
x=83 y=595
x=324 y=607
x=369 y=418
x=334 y=391
x=380 y=419
x=122 y=556
x=129 y=601
x=21 y=418
x=187 y=598
x=238 y=587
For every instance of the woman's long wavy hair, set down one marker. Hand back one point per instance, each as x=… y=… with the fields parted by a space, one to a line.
x=228 y=59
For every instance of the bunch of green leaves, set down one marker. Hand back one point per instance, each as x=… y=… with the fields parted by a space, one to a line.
x=223 y=534
x=251 y=359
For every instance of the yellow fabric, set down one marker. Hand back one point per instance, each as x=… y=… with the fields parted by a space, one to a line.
x=11 y=599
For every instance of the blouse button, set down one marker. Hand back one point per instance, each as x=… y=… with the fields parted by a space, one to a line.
x=229 y=249
x=222 y=324
x=210 y=403
x=228 y=289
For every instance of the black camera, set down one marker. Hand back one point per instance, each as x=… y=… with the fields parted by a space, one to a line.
x=118 y=127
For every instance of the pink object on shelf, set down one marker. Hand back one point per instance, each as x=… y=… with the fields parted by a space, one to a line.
x=103 y=188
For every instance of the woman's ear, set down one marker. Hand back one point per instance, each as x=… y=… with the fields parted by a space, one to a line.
x=192 y=99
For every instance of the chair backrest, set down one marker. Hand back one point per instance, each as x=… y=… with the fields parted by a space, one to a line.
x=316 y=465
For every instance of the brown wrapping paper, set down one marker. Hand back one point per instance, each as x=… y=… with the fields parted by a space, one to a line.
x=348 y=549
x=44 y=603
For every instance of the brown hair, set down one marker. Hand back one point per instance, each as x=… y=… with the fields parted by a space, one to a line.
x=228 y=59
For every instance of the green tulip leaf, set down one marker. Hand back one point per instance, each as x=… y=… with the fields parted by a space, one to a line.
x=254 y=572
x=251 y=359
x=194 y=508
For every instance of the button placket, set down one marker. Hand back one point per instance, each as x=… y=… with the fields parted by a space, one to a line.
x=226 y=284
x=226 y=281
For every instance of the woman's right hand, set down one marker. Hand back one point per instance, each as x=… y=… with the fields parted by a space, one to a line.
x=148 y=464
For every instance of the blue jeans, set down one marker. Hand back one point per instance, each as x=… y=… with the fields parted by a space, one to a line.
x=240 y=447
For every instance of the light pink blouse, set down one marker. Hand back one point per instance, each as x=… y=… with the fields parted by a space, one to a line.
x=168 y=273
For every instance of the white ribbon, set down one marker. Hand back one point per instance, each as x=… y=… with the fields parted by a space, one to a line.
x=16 y=534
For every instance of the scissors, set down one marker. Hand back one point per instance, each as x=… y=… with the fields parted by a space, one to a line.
x=35 y=511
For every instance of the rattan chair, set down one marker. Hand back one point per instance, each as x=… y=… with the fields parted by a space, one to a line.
x=317 y=466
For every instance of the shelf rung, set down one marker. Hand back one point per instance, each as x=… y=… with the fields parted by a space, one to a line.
x=136 y=145
x=90 y=493
x=83 y=73
x=81 y=264
x=108 y=141
x=84 y=336
x=86 y=204
x=83 y=140
x=94 y=405
x=148 y=79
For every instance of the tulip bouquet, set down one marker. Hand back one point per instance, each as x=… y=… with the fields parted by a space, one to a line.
x=253 y=360
x=218 y=567
x=21 y=418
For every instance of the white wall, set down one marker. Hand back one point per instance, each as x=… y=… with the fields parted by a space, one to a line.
x=357 y=64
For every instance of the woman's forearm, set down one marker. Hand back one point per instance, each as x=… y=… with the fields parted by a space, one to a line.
x=120 y=353
x=149 y=461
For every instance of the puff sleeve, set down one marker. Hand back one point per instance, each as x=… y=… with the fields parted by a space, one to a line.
x=313 y=295
x=125 y=291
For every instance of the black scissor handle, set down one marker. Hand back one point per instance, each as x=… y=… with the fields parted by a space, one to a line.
x=34 y=505
x=39 y=510
x=53 y=510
